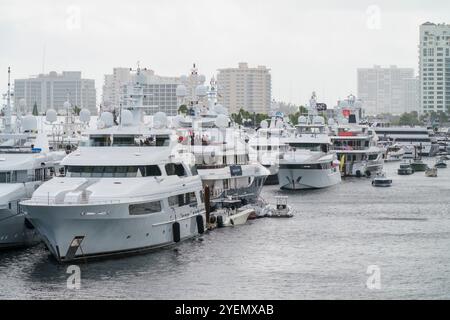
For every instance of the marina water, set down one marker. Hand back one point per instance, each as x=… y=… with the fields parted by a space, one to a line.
x=324 y=252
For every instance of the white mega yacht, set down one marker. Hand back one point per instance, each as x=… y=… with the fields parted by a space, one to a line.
x=267 y=145
x=418 y=137
x=357 y=150
x=25 y=163
x=309 y=162
x=125 y=192
x=220 y=148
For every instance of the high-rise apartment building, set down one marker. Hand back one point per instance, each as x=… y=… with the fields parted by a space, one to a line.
x=388 y=90
x=434 y=67
x=246 y=88
x=159 y=91
x=50 y=91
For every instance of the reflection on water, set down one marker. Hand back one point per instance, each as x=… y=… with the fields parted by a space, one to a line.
x=323 y=252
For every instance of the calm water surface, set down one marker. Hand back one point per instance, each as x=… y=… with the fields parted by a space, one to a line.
x=323 y=252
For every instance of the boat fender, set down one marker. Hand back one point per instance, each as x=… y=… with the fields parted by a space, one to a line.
x=212 y=219
x=200 y=224
x=219 y=221
x=368 y=174
x=232 y=222
x=176 y=231
x=358 y=173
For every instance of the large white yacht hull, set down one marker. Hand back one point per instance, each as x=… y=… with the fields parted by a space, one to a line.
x=14 y=232
x=107 y=229
x=296 y=179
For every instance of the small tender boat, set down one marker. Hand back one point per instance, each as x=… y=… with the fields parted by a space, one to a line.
x=431 y=172
x=440 y=164
x=405 y=169
x=418 y=165
x=230 y=213
x=381 y=180
x=281 y=210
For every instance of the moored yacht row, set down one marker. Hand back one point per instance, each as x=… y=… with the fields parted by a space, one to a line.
x=130 y=186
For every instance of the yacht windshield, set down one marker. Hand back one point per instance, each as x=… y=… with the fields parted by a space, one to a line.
x=113 y=171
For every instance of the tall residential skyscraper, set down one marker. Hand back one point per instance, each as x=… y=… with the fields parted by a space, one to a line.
x=159 y=91
x=388 y=90
x=50 y=91
x=244 y=87
x=434 y=67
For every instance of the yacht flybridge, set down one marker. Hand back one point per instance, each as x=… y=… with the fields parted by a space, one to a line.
x=125 y=191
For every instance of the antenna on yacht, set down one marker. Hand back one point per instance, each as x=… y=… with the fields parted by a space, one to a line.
x=8 y=105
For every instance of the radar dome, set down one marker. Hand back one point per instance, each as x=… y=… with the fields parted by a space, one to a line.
x=331 y=122
x=318 y=120
x=201 y=78
x=201 y=91
x=107 y=118
x=279 y=124
x=222 y=121
x=302 y=120
x=67 y=105
x=159 y=120
x=264 y=124
x=29 y=123
x=126 y=118
x=85 y=115
x=220 y=109
x=181 y=90
x=176 y=121
x=51 y=115
x=22 y=103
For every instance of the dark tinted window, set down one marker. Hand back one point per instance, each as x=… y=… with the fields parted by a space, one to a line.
x=175 y=169
x=145 y=208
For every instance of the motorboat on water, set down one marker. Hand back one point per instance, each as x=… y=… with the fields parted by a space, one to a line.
x=394 y=153
x=440 y=164
x=126 y=191
x=417 y=163
x=281 y=209
x=380 y=180
x=405 y=169
x=431 y=172
x=229 y=212
x=309 y=162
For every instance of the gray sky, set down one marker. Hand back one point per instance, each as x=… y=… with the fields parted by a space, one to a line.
x=309 y=45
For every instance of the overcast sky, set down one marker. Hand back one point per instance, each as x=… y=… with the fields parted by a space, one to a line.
x=308 y=45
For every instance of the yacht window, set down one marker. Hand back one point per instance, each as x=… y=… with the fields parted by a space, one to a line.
x=98 y=172
x=152 y=171
x=173 y=169
x=100 y=141
x=145 y=208
x=123 y=141
x=5 y=177
x=162 y=141
x=373 y=156
x=182 y=199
